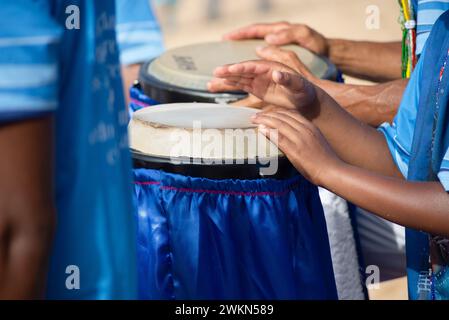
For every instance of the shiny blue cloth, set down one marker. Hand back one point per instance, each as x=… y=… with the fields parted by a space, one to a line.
x=230 y=239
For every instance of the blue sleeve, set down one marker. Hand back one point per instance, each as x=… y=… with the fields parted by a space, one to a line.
x=138 y=32
x=399 y=134
x=28 y=60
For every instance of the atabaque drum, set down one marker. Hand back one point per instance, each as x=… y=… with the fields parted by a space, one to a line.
x=221 y=212
x=182 y=74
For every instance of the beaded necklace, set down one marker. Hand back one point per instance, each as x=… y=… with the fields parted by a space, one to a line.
x=408 y=23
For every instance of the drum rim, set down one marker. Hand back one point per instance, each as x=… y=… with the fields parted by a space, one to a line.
x=330 y=74
x=148 y=80
x=185 y=161
x=218 y=172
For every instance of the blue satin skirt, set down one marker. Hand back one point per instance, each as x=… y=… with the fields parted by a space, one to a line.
x=201 y=239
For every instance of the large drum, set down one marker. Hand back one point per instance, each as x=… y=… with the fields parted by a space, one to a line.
x=181 y=75
x=221 y=212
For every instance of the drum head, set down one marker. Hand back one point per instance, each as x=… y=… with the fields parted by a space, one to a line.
x=208 y=140
x=183 y=73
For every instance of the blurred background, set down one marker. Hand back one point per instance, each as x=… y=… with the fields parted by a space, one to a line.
x=187 y=21
x=190 y=21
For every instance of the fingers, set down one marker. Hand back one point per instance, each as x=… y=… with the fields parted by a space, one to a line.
x=273 y=53
x=281 y=141
x=284 y=131
x=221 y=85
x=292 y=118
x=286 y=57
x=256 y=31
x=281 y=37
x=298 y=34
x=292 y=82
x=250 y=102
x=248 y=70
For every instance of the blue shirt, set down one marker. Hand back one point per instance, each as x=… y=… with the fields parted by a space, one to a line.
x=400 y=133
x=138 y=32
x=75 y=73
x=428 y=12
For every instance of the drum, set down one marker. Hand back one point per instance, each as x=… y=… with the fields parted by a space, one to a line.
x=217 y=218
x=182 y=74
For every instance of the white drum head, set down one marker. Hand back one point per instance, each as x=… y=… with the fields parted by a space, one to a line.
x=199 y=131
x=191 y=67
x=206 y=115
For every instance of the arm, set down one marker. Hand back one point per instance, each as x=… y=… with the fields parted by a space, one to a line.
x=27 y=215
x=355 y=142
x=130 y=73
x=366 y=60
x=332 y=149
x=374 y=104
x=139 y=38
x=422 y=206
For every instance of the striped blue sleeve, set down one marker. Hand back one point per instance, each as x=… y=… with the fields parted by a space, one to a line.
x=138 y=33
x=443 y=175
x=28 y=60
x=399 y=134
x=428 y=12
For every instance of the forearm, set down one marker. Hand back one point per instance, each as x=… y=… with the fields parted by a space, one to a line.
x=25 y=250
x=27 y=216
x=355 y=142
x=373 y=105
x=422 y=206
x=367 y=60
x=130 y=73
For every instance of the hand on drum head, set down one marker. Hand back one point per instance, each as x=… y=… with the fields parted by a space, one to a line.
x=282 y=33
x=301 y=141
x=273 y=83
x=288 y=58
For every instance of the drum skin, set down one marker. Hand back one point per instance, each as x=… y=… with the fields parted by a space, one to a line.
x=181 y=74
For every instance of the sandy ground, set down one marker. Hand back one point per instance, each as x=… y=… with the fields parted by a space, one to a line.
x=188 y=23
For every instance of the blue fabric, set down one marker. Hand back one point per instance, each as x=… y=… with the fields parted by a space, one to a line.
x=96 y=229
x=400 y=133
x=231 y=239
x=28 y=60
x=46 y=67
x=419 y=142
x=428 y=12
x=139 y=100
x=138 y=32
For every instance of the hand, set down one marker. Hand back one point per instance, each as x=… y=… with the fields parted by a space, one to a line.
x=282 y=33
x=301 y=142
x=288 y=58
x=256 y=31
x=271 y=82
